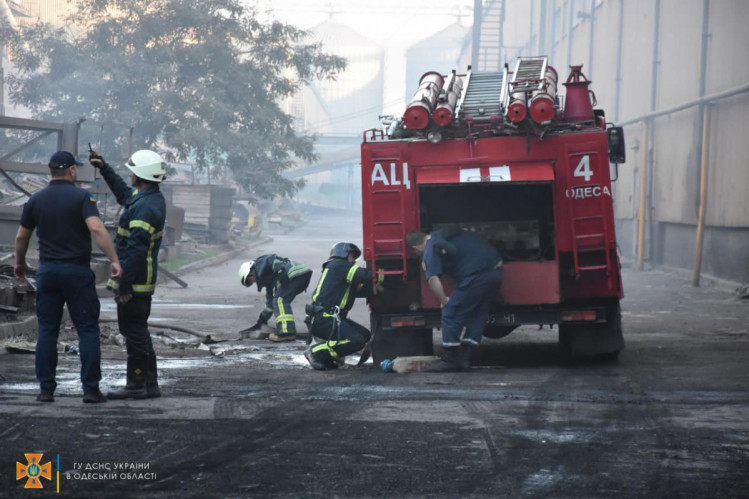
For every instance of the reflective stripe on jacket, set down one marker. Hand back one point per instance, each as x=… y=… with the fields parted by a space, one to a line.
x=272 y=270
x=139 y=233
x=340 y=284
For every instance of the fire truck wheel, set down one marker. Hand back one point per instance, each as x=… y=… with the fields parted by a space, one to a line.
x=596 y=342
x=401 y=342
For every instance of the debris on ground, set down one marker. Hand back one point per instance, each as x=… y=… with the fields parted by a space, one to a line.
x=256 y=334
x=16 y=297
x=22 y=347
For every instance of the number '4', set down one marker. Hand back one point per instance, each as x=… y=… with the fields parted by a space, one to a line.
x=583 y=168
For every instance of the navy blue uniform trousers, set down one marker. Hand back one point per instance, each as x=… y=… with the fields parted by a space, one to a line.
x=349 y=338
x=469 y=307
x=132 y=319
x=72 y=283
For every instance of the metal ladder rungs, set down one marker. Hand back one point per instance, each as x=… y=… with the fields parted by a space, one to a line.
x=530 y=68
x=483 y=96
x=593 y=267
x=390 y=272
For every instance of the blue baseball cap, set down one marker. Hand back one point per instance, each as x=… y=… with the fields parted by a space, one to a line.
x=63 y=159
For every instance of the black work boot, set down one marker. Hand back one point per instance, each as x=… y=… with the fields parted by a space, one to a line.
x=448 y=363
x=94 y=397
x=464 y=359
x=313 y=361
x=45 y=397
x=152 y=379
x=320 y=360
x=136 y=380
x=130 y=383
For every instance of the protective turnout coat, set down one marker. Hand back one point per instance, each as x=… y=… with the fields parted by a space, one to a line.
x=340 y=284
x=139 y=233
x=272 y=271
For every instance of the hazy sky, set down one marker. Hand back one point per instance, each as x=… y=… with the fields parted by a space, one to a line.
x=387 y=22
x=393 y=24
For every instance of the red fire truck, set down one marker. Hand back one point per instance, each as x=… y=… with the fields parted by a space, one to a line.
x=496 y=154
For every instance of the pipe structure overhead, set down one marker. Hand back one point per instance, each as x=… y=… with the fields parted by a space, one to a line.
x=7 y=15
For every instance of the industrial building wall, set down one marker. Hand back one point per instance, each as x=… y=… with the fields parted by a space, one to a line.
x=645 y=56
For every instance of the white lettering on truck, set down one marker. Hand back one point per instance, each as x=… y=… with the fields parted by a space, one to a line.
x=587 y=191
x=583 y=168
x=379 y=175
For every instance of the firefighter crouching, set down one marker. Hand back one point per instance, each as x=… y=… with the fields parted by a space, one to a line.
x=335 y=335
x=283 y=280
x=139 y=233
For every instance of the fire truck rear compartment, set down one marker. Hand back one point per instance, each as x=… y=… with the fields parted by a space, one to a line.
x=516 y=218
x=495 y=172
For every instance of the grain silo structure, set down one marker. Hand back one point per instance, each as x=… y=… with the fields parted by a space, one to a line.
x=353 y=101
x=444 y=51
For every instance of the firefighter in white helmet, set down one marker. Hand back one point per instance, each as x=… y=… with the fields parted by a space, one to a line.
x=283 y=280
x=139 y=233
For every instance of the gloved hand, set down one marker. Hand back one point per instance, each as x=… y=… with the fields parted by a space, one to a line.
x=123 y=299
x=96 y=159
x=255 y=327
x=264 y=316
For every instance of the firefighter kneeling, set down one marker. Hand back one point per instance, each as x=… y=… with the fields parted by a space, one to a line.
x=335 y=335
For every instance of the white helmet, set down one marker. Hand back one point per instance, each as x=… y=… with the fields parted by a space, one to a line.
x=244 y=271
x=147 y=165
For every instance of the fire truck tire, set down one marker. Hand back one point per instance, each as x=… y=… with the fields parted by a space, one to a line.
x=405 y=342
x=597 y=342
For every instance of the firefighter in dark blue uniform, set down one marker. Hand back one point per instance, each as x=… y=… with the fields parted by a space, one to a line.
x=342 y=281
x=66 y=217
x=139 y=233
x=283 y=280
x=477 y=269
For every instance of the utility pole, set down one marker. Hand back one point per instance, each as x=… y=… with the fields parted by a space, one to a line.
x=5 y=11
x=478 y=16
x=2 y=81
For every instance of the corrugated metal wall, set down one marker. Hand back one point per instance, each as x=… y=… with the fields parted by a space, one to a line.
x=660 y=65
x=208 y=208
x=48 y=11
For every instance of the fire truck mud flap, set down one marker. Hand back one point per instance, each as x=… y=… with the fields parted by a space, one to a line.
x=598 y=341
x=401 y=342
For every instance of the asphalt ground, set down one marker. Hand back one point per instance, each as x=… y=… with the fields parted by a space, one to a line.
x=249 y=418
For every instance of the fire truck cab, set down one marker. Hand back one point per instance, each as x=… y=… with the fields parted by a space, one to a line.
x=496 y=154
